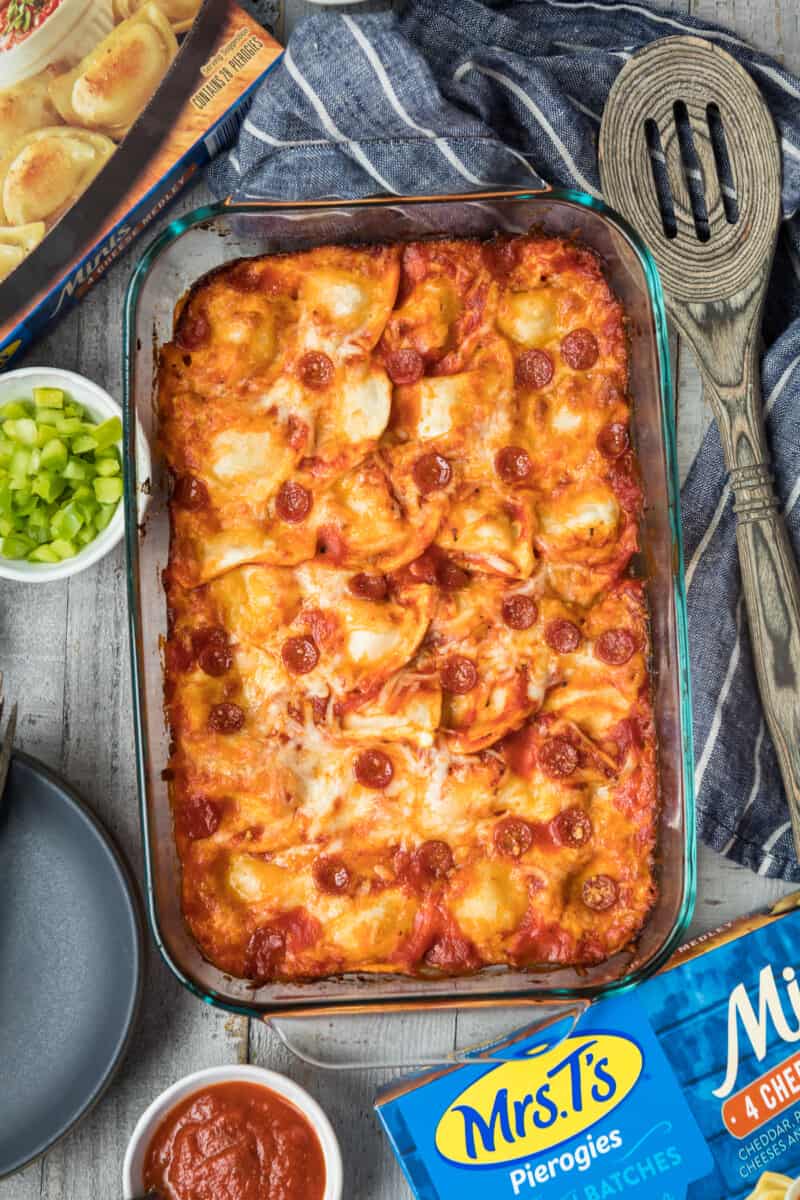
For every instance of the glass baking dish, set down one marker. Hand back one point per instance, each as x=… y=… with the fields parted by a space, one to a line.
x=193 y=245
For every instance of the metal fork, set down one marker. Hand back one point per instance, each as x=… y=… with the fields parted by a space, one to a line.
x=7 y=743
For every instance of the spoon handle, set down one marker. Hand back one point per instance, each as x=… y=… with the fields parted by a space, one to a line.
x=770 y=579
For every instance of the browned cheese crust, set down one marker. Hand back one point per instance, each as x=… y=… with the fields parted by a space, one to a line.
x=406 y=674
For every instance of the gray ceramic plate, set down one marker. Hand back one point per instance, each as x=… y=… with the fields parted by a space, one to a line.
x=70 y=962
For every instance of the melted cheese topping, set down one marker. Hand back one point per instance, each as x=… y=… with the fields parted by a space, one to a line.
x=410 y=715
x=529 y=317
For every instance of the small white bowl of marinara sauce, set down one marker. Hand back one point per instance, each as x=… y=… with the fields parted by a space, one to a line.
x=242 y=1122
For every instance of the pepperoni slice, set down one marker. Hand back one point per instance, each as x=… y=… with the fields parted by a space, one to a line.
x=332 y=875
x=513 y=837
x=613 y=439
x=212 y=650
x=450 y=576
x=315 y=370
x=599 y=892
x=265 y=953
x=225 y=718
x=533 y=369
x=458 y=675
x=558 y=757
x=432 y=472
x=579 y=349
x=513 y=464
x=433 y=859
x=216 y=659
x=293 y=502
x=405 y=366
x=520 y=611
x=615 y=646
x=572 y=827
x=374 y=769
x=190 y=493
x=300 y=655
x=194 y=331
x=199 y=818
x=369 y=587
x=562 y=636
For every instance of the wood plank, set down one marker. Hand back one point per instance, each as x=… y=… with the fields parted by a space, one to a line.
x=771 y=25
x=65 y=649
x=726 y=891
x=370 y=1169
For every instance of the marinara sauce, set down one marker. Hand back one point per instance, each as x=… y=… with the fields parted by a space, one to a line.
x=235 y=1141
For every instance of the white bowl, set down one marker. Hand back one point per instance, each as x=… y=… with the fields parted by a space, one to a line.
x=132 y=1181
x=67 y=36
x=19 y=385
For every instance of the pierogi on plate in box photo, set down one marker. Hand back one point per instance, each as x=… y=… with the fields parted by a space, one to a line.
x=161 y=83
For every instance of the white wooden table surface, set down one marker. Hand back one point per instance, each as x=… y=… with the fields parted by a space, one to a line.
x=64 y=649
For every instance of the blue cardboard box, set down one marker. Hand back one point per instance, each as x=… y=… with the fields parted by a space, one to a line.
x=686 y=1087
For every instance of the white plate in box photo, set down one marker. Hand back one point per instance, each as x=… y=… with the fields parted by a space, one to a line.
x=19 y=385
x=66 y=32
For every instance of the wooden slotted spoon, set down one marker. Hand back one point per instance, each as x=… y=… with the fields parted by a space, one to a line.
x=689 y=156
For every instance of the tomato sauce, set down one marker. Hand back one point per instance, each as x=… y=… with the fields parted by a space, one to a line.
x=235 y=1141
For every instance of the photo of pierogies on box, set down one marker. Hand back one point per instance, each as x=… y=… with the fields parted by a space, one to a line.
x=27 y=106
x=43 y=173
x=179 y=13
x=60 y=124
x=107 y=91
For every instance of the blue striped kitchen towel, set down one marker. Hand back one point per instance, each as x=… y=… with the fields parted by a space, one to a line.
x=458 y=95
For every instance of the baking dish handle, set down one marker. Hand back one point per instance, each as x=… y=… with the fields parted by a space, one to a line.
x=491 y=1032
x=389 y=198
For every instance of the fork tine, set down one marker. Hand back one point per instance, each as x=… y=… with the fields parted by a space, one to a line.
x=7 y=747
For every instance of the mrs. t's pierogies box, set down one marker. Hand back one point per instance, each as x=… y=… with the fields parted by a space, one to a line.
x=686 y=1087
x=107 y=109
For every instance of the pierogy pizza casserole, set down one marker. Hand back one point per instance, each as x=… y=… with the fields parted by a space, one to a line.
x=407 y=665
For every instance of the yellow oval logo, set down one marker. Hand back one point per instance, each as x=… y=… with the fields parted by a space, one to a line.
x=524 y=1107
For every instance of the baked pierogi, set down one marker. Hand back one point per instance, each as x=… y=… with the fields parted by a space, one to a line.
x=108 y=90
x=179 y=13
x=16 y=243
x=26 y=106
x=43 y=173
